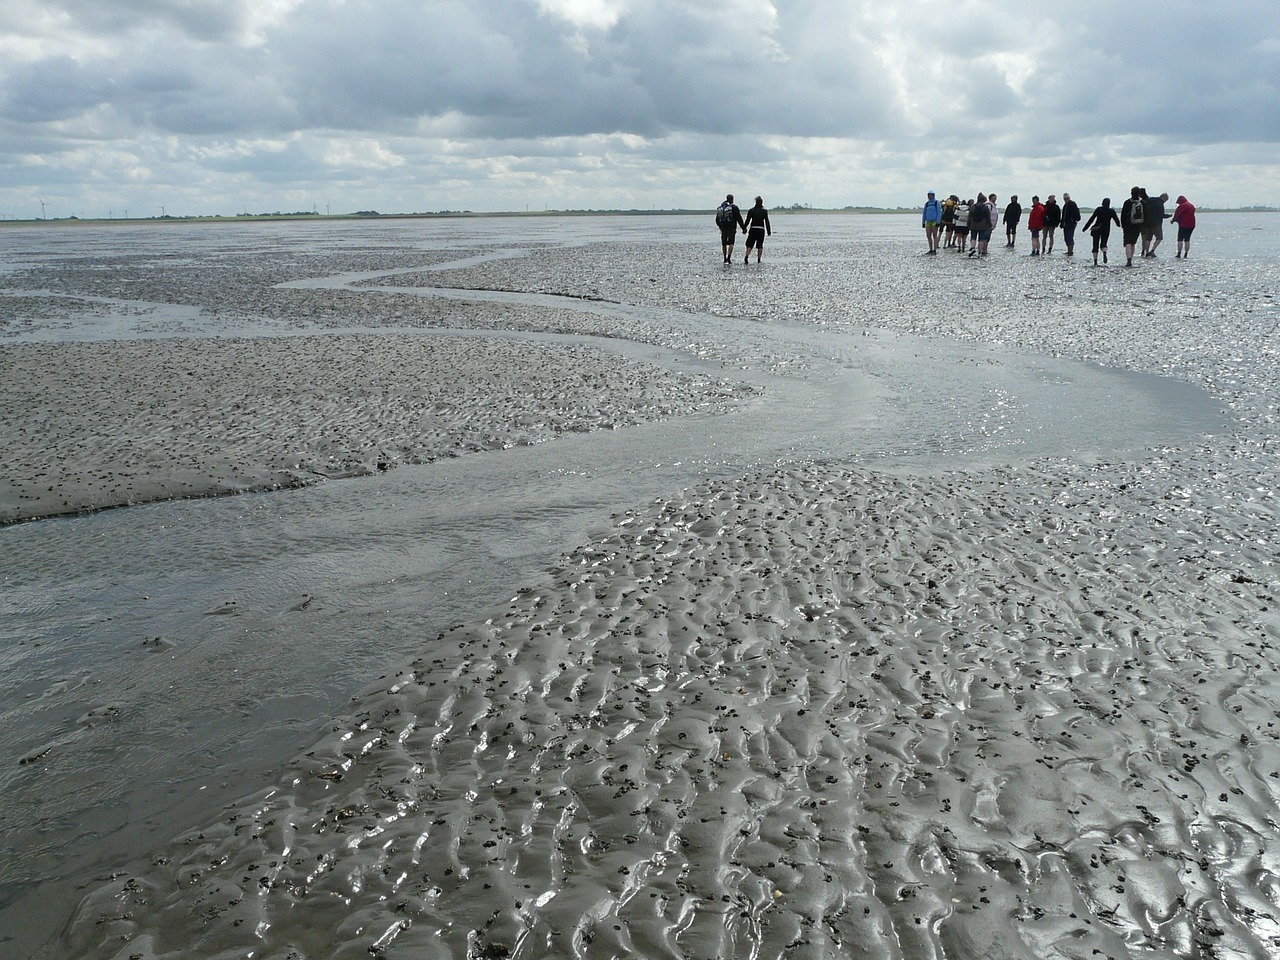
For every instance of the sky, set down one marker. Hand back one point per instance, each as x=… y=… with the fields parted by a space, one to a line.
x=199 y=107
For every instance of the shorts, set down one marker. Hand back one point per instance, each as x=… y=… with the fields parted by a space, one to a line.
x=983 y=235
x=1035 y=234
x=1184 y=234
x=931 y=223
x=1153 y=230
x=1131 y=234
x=963 y=231
x=755 y=238
x=728 y=235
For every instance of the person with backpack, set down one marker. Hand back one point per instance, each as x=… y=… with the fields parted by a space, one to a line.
x=1184 y=217
x=757 y=228
x=949 y=219
x=1052 y=217
x=1012 y=216
x=979 y=226
x=1035 y=223
x=1070 y=217
x=1099 y=227
x=729 y=220
x=1132 y=216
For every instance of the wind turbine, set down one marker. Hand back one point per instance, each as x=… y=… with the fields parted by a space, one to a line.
x=42 y=216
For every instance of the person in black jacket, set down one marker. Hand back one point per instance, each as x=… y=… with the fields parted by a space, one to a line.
x=1070 y=217
x=757 y=228
x=1052 y=217
x=729 y=219
x=1132 y=230
x=1099 y=227
x=1012 y=216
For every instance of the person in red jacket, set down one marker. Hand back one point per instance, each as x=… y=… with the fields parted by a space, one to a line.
x=1035 y=223
x=1184 y=215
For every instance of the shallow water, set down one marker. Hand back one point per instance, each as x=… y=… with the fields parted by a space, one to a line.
x=272 y=609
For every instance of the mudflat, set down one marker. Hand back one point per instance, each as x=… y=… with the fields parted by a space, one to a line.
x=964 y=646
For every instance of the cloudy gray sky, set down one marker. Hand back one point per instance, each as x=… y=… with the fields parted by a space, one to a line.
x=221 y=106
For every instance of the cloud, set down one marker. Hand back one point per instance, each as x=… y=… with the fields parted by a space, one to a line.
x=796 y=91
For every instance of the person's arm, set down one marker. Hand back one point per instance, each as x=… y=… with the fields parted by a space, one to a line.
x=768 y=228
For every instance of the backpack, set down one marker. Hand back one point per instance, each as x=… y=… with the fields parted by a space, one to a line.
x=1137 y=213
x=978 y=216
x=724 y=215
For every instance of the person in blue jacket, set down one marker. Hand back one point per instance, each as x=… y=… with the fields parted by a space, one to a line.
x=931 y=220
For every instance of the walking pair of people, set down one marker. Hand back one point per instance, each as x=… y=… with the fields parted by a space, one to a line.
x=755 y=225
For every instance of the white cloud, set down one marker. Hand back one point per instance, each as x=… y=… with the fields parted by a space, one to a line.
x=361 y=154
x=844 y=101
x=596 y=14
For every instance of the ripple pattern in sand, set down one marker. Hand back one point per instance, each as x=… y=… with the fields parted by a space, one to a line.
x=818 y=714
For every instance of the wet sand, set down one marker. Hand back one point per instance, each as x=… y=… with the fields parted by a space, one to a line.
x=822 y=710
x=814 y=714
x=93 y=425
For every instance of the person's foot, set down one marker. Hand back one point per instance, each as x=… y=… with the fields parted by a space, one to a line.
x=1129 y=262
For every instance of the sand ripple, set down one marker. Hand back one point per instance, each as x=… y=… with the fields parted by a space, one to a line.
x=92 y=425
x=815 y=714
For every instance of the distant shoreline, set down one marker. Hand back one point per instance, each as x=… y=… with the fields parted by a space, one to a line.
x=469 y=214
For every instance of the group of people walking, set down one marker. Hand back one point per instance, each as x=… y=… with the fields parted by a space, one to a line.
x=755 y=225
x=967 y=225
